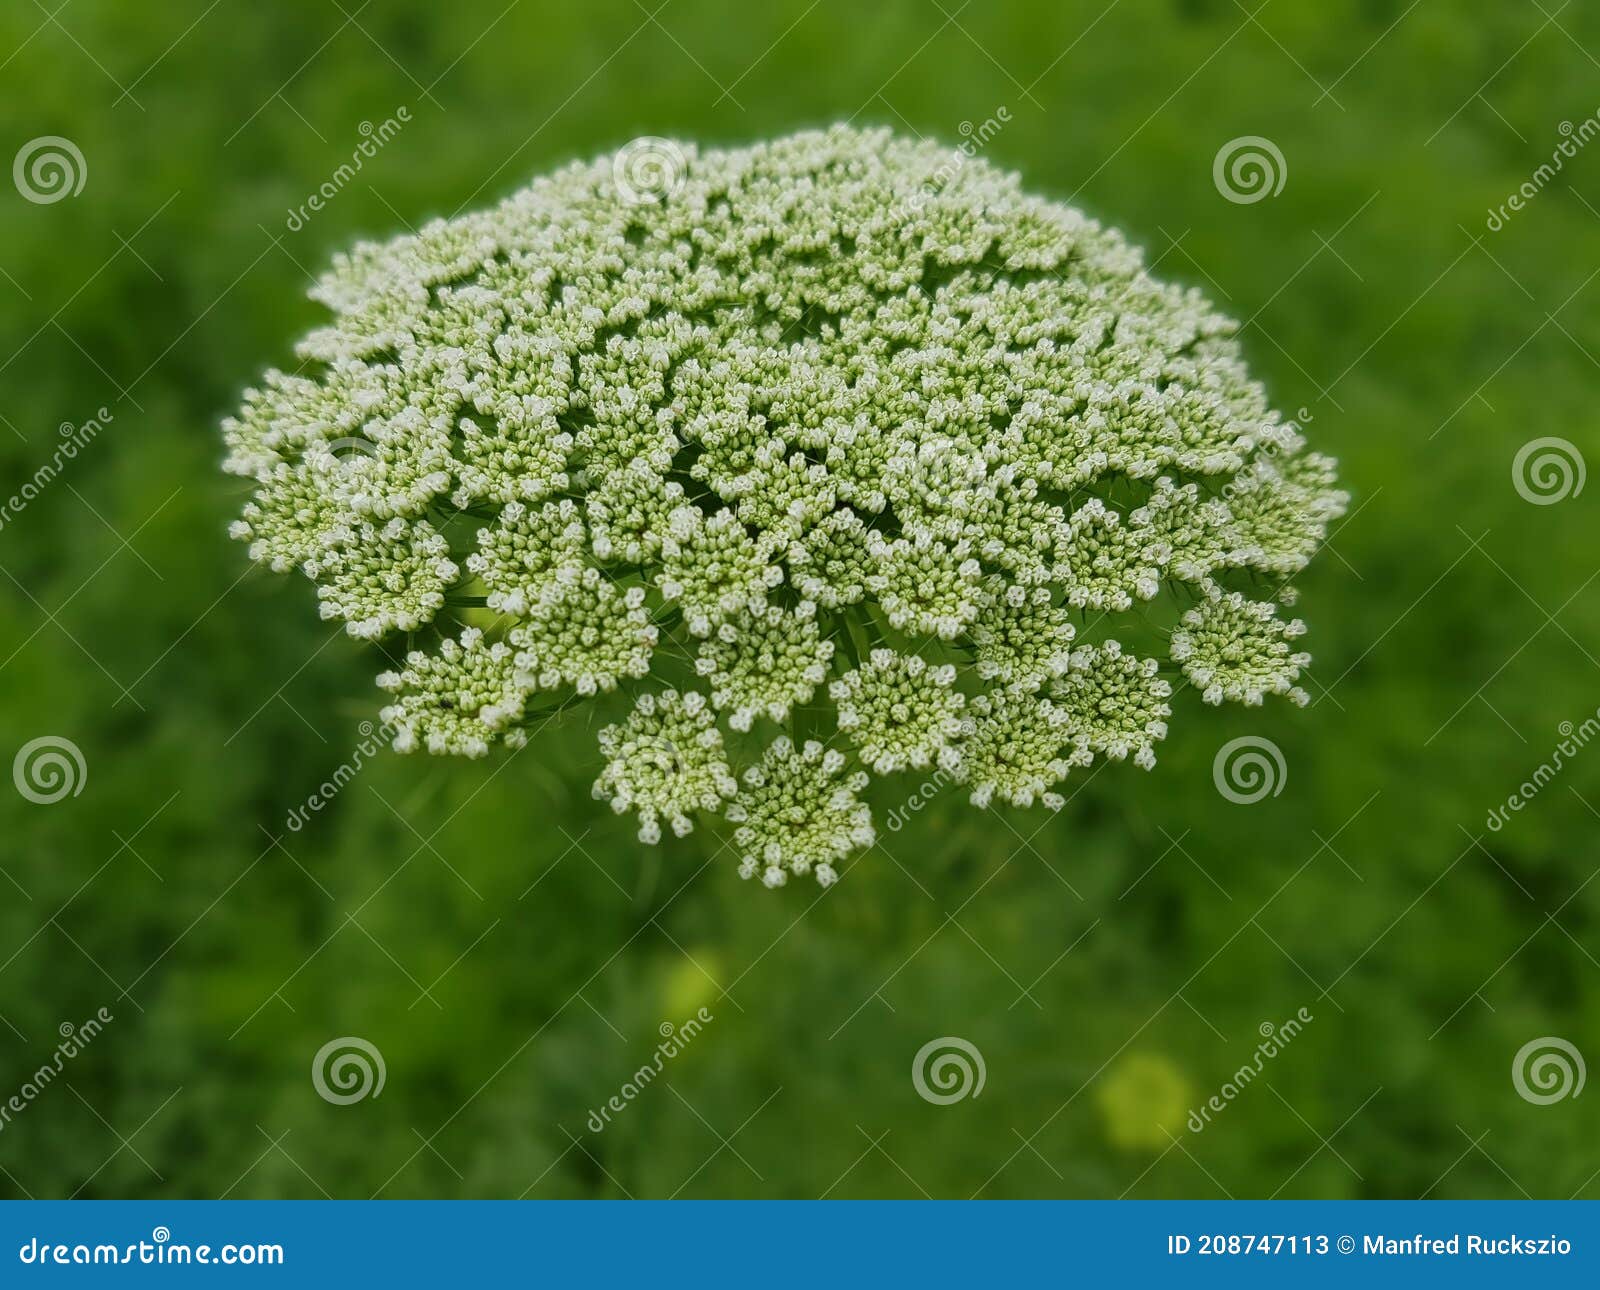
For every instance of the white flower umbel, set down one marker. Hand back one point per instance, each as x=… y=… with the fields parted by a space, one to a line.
x=824 y=408
x=664 y=762
x=458 y=700
x=1016 y=748
x=1237 y=649
x=589 y=634
x=1115 y=703
x=529 y=554
x=762 y=663
x=1022 y=637
x=797 y=812
x=899 y=712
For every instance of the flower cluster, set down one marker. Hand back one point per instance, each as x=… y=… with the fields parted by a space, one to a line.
x=827 y=461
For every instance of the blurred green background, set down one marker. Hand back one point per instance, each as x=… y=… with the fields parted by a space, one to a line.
x=503 y=941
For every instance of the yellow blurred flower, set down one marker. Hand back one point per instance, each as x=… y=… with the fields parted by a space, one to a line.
x=689 y=985
x=1143 y=1100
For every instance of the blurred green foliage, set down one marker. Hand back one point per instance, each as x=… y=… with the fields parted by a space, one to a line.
x=502 y=939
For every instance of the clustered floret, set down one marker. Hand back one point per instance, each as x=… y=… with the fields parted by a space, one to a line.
x=824 y=433
x=457 y=700
x=899 y=712
x=798 y=813
x=1117 y=704
x=1237 y=649
x=665 y=761
x=765 y=663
